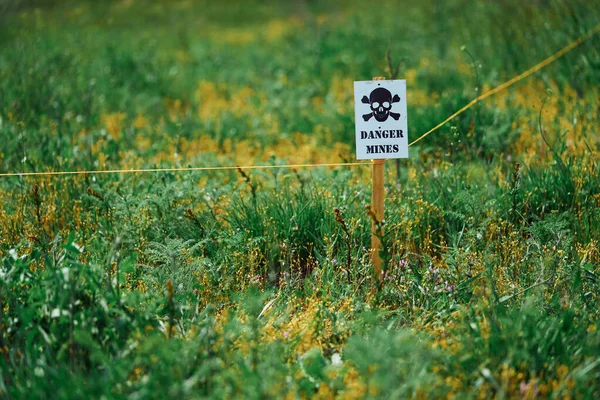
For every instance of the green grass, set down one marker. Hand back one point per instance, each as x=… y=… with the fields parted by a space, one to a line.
x=258 y=283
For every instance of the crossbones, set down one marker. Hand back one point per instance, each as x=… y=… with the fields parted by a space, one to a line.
x=381 y=101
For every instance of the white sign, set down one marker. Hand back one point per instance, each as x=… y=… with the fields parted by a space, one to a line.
x=381 y=123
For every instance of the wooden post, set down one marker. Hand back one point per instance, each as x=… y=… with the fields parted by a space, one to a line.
x=377 y=199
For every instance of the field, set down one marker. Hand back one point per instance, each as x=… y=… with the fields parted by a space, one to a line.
x=258 y=283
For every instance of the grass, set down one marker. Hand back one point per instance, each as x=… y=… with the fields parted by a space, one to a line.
x=258 y=283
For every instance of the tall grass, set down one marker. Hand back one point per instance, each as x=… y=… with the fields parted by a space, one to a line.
x=258 y=283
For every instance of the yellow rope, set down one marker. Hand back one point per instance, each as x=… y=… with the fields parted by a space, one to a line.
x=479 y=98
x=180 y=169
x=514 y=80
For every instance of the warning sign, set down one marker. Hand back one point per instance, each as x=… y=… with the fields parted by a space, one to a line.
x=381 y=123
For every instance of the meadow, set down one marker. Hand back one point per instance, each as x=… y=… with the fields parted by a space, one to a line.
x=258 y=283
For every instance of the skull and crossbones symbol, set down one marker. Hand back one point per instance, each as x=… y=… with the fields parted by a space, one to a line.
x=380 y=100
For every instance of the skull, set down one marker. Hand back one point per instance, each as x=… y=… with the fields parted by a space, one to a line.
x=381 y=103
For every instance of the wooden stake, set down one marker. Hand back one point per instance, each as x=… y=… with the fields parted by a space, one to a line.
x=377 y=199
